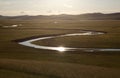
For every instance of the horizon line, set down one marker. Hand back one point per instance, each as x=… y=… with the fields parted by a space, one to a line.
x=59 y=14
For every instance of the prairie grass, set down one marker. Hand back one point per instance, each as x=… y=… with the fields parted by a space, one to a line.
x=57 y=70
x=17 y=61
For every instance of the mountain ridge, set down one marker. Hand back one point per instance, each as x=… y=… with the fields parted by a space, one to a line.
x=87 y=16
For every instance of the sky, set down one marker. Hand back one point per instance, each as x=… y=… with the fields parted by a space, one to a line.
x=50 y=7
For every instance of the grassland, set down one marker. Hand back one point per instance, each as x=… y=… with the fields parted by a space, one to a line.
x=17 y=61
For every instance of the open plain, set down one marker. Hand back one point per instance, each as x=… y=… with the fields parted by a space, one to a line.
x=18 y=61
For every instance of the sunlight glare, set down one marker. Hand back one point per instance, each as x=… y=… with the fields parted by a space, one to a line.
x=61 y=49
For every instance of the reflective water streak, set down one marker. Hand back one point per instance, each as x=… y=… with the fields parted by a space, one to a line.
x=62 y=49
x=11 y=26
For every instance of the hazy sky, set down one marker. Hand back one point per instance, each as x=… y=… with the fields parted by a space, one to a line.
x=46 y=7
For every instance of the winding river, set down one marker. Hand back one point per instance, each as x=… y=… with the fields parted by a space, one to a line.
x=63 y=49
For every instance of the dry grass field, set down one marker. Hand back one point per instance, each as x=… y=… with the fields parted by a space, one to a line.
x=17 y=61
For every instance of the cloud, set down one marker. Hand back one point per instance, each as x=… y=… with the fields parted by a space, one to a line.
x=68 y=6
x=6 y=3
x=49 y=11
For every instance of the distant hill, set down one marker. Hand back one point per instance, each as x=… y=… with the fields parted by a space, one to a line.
x=88 y=16
x=101 y=16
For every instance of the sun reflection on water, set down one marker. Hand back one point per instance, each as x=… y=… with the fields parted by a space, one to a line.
x=61 y=49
